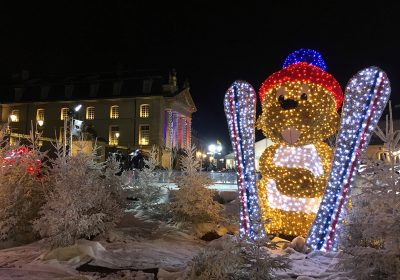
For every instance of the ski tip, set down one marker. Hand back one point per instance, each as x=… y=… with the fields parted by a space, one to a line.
x=241 y=84
x=372 y=75
x=371 y=71
x=241 y=87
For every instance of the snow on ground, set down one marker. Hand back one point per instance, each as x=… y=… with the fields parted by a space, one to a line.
x=315 y=265
x=138 y=250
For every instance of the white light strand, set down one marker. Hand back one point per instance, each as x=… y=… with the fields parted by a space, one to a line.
x=366 y=96
x=299 y=157
x=240 y=106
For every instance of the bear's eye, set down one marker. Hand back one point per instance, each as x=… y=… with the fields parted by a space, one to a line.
x=281 y=98
x=303 y=96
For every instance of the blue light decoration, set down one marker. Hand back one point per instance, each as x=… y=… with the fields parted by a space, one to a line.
x=365 y=99
x=305 y=55
x=240 y=110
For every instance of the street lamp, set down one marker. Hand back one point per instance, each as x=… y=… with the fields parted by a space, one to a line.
x=214 y=149
x=71 y=113
x=37 y=132
x=11 y=118
x=117 y=136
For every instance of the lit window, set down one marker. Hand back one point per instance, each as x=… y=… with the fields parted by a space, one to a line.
x=40 y=114
x=113 y=135
x=144 y=135
x=90 y=113
x=114 y=112
x=144 y=110
x=64 y=113
x=14 y=116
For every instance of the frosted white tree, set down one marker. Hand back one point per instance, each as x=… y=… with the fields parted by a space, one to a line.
x=82 y=198
x=21 y=187
x=193 y=201
x=371 y=232
x=147 y=189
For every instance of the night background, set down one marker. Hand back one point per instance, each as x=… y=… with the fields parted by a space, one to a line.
x=209 y=45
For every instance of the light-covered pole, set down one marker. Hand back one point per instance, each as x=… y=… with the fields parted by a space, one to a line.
x=69 y=118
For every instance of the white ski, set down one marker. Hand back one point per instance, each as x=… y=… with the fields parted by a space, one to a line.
x=240 y=110
x=366 y=96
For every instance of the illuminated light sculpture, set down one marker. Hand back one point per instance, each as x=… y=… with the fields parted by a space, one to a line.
x=366 y=96
x=299 y=105
x=240 y=110
x=305 y=55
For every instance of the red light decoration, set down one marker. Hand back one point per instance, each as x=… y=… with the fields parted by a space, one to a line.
x=18 y=154
x=304 y=73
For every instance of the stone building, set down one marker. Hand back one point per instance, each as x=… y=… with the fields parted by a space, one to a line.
x=123 y=110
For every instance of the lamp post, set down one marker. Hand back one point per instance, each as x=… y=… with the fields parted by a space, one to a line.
x=70 y=117
x=214 y=149
x=11 y=118
x=117 y=136
x=40 y=124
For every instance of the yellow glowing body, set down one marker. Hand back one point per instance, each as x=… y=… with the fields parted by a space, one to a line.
x=297 y=178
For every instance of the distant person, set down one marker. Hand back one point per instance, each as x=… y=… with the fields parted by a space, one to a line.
x=138 y=160
x=119 y=157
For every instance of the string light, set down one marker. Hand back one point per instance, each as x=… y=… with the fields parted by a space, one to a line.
x=366 y=96
x=302 y=73
x=240 y=106
x=299 y=106
x=23 y=154
x=305 y=55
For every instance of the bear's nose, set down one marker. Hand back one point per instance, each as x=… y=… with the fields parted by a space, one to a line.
x=288 y=104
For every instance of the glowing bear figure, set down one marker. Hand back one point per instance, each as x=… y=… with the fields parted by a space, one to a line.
x=299 y=111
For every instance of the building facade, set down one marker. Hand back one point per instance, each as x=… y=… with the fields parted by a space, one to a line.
x=125 y=111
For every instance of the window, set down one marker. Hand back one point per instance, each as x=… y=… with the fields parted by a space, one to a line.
x=90 y=113
x=114 y=112
x=64 y=113
x=94 y=89
x=144 y=135
x=117 y=87
x=147 y=85
x=14 y=117
x=69 y=89
x=40 y=114
x=144 y=110
x=113 y=135
x=44 y=91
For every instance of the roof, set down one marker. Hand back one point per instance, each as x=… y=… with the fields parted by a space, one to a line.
x=86 y=86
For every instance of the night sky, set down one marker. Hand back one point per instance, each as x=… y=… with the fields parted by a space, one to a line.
x=210 y=45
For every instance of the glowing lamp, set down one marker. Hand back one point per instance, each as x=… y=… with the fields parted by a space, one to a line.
x=78 y=107
x=212 y=148
x=13 y=118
